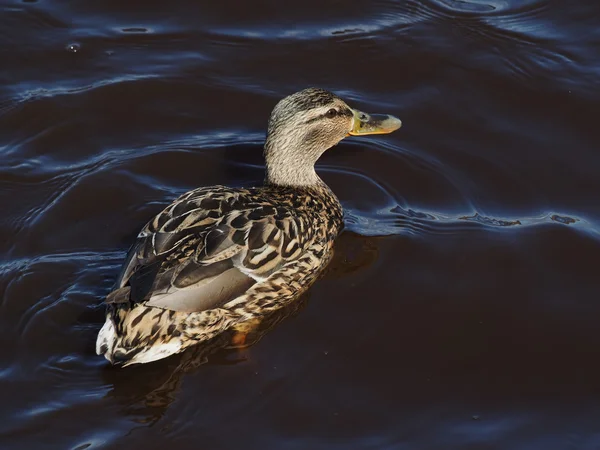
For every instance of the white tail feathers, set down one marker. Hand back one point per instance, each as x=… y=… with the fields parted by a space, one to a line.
x=109 y=345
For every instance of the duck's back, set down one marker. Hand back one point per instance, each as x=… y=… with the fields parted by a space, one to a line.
x=213 y=258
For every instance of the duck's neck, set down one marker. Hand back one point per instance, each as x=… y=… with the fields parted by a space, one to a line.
x=289 y=166
x=284 y=174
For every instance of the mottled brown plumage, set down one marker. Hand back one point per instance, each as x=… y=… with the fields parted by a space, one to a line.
x=218 y=257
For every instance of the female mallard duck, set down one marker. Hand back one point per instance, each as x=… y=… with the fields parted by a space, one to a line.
x=218 y=256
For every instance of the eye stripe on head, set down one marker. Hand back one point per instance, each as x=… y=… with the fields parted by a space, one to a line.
x=330 y=112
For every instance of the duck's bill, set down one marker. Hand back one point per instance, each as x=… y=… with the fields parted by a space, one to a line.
x=373 y=124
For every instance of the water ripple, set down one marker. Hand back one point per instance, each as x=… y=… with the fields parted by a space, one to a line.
x=399 y=220
x=34 y=93
x=488 y=196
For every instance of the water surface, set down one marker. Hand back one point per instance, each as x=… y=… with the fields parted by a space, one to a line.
x=461 y=309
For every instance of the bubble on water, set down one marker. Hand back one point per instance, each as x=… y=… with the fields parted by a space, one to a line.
x=73 y=47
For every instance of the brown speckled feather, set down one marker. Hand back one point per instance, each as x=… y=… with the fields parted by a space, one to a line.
x=218 y=256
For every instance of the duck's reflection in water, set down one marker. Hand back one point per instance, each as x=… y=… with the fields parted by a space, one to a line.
x=146 y=391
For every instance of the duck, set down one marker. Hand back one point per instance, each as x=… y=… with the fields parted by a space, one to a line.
x=219 y=258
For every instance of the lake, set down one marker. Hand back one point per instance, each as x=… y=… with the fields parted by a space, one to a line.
x=461 y=309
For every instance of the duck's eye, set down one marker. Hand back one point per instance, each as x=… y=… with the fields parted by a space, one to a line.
x=331 y=113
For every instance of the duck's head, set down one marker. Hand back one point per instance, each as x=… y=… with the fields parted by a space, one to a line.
x=305 y=124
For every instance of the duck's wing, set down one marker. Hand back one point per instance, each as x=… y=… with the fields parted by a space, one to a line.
x=208 y=248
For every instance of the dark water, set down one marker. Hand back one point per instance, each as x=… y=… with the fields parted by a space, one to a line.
x=462 y=308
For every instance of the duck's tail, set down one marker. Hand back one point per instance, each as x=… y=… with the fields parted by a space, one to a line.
x=106 y=339
x=144 y=334
x=138 y=335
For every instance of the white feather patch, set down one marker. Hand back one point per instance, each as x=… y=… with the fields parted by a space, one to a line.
x=155 y=352
x=107 y=336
